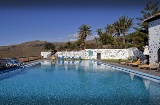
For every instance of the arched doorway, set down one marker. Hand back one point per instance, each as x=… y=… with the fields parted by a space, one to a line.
x=158 y=55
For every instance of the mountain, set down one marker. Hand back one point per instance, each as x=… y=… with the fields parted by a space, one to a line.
x=32 y=48
x=26 y=49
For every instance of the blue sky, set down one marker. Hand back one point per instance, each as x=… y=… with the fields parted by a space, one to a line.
x=59 y=22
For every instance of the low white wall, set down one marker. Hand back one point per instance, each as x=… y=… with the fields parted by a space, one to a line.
x=107 y=53
x=104 y=53
x=45 y=54
x=75 y=54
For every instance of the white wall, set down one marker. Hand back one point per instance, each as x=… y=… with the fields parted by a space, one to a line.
x=105 y=53
x=45 y=54
x=75 y=54
x=154 y=40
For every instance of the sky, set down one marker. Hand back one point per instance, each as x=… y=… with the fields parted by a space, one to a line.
x=59 y=20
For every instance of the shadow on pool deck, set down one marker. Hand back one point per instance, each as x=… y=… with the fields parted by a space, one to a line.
x=152 y=72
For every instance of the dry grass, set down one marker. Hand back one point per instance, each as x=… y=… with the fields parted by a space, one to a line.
x=27 y=49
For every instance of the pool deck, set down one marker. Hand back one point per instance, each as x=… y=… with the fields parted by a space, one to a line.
x=152 y=72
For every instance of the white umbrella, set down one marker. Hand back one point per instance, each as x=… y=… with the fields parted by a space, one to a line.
x=146 y=50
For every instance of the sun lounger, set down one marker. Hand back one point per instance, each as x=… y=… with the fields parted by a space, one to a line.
x=122 y=63
x=134 y=63
x=143 y=66
x=153 y=67
x=150 y=66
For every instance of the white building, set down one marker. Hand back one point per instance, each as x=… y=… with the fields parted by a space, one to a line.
x=154 y=38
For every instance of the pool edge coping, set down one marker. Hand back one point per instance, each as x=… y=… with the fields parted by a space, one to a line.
x=137 y=73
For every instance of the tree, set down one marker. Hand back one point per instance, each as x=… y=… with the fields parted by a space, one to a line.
x=122 y=26
x=60 y=47
x=84 y=31
x=126 y=24
x=99 y=31
x=142 y=27
x=96 y=39
x=78 y=43
x=105 y=37
x=117 y=30
x=110 y=29
x=49 y=46
x=135 y=40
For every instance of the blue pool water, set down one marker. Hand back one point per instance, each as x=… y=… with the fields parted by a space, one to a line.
x=76 y=83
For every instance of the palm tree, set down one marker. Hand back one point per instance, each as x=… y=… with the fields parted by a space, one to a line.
x=117 y=29
x=122 y=26
x=110 y=29
x=99 y=31
x=126 y=24
x=96 y=39
x=84 y=31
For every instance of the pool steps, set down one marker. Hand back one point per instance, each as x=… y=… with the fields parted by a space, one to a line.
x=137 y=73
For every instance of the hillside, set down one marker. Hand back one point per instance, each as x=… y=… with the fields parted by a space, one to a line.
x=26 y=49
x=32 y=48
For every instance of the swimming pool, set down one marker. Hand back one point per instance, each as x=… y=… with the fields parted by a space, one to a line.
x=74 y=83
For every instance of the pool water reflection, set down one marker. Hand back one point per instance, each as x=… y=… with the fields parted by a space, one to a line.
x=75 y=83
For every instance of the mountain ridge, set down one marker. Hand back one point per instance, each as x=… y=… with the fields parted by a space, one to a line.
x=26 y=49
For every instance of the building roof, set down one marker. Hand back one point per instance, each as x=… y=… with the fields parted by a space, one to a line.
x=152 y=18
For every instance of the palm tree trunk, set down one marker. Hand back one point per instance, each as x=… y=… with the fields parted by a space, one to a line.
x=118 y=40
x=84 y=45
x=124 y=38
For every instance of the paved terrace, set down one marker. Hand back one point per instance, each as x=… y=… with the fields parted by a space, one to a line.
x=152 y=72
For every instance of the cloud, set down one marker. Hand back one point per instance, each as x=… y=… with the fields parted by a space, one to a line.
x=72 y=40
x=72 y=37
x=92 y=37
